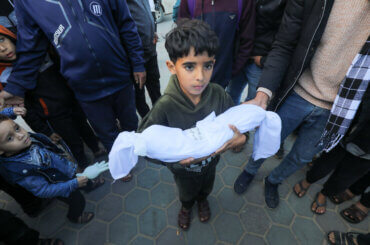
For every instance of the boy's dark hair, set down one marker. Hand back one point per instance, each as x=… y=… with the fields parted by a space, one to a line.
x=191 y=33
x=4 y=118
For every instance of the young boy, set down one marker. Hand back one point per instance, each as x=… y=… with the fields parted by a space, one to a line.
x=35 y=163
x=189 y=97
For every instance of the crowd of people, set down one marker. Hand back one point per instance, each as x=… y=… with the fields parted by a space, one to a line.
x=76 y=71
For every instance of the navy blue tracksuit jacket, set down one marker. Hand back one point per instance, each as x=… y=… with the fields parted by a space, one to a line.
x=97 y=42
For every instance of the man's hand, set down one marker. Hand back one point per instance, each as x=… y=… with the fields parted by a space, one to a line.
x=55 y=138
x=260 y=100
x=140 y=78
x=155 y=39
x=257 y=60
x=20 y=111
x=8 y=99
x=192 y=160
x=82 y=181
x=237 y=140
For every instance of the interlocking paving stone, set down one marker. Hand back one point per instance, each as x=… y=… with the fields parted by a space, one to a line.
x=172 y=212
x=281 y=236
x=229 y=175
x=301 y=206
x=254 y=219
x=154 y=165
x=122 y=188
x=140 y=166
x=68 y=236
x=148 y=178
x=199 y=233
x=228 y=227
x=284 y=190
x=217 y=185
x=99 y=193
x=229 y=200
x=93 y=233
x=330 y=221
x=162 y=195
x=171 y=236
x=295 y=178
x=140 y=240
x=123 y=229
x=254 y=193
x=252 y=240
x=109 y=208
x=166 y=175
x=137 y=201
x=283 y=214
x=307 y=232
x=152 y=221
x=220 y=165
x=235 y=159
x=58 y=217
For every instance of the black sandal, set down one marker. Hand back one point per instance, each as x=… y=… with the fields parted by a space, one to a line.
x=318 y=205
x=342 y=238
x=204 y=212
x=302 y=189
x=184 y=218
x=354 y=214
x=341 y=197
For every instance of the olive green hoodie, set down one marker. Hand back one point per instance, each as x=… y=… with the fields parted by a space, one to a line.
x=175 y=109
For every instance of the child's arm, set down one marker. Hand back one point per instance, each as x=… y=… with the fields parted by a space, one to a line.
x=40 y=187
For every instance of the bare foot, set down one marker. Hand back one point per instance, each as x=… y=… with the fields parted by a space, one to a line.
x=301 y=188
x=319 y=205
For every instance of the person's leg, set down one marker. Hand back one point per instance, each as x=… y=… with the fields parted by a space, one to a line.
x=152 y=83
x=204 y=211
x=125 y=110
x=76 y=205
x=253 y=73
x=363 y=239
x=361 y=185
x=236 y=87
x=101 y=116
x=141 y=105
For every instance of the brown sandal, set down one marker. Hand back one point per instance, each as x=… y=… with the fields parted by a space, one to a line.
x=204 y=212
x=353 y=214
x=127 y=178
x=342 y=197
x=184 y=217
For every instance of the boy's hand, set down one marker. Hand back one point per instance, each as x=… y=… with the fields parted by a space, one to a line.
x=257 y=60
x=237 y=140
x=82 y=181
x=20 y=111
x=192 y=160
x=140 y=78
x=55 y=138
x=260 y=100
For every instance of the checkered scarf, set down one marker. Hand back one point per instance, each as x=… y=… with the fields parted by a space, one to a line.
x=348 y=98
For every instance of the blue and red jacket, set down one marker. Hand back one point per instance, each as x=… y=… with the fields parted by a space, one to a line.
x=97 y=42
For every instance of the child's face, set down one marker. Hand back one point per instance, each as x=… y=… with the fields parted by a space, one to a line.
x=193 y=73
x=13 y=138
x=7 y=49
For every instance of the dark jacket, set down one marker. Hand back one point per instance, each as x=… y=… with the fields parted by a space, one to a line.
x=175 y=109
x=97 y=42
x=222 y=16
x=299 y=34
x=268 y=18
x=41 y=169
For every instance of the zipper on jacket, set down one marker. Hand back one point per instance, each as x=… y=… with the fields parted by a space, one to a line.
x=304 y=59
x=48 y=178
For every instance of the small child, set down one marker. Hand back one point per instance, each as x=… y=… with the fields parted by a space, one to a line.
x=35 y=163
x=189 y=97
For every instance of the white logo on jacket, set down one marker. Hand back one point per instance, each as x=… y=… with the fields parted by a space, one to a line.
x=57 y=34
x=96 y=8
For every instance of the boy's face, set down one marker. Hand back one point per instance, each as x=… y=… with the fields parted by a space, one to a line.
x=7 y=49
x=13 y=138
x=193 y=73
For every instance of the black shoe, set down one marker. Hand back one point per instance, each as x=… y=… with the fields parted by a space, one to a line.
x=242 y=182
x=271 y=194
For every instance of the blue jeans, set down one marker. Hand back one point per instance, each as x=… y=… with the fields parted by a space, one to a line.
x=249 y=75
x=294 y=112
x=103 y=114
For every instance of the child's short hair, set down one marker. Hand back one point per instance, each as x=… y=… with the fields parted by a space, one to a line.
x=4 y=118
x=191 y=33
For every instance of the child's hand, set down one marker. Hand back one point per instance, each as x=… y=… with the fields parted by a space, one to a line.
x=237 y=140
x=82 y=181
x=19 y=111
x=55 y=138
x=191 y=160
x=140 y=78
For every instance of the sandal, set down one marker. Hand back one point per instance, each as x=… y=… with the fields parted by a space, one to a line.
x=342 y=238
x=353 y=214
x=86 y=217
x=342 y=197
x=127 y=178
x=318 y=205
x=183 y=219
x=50 y=241
x=302 y=191
x=204 y=212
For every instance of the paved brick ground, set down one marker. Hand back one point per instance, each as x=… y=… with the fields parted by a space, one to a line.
x=144 y=211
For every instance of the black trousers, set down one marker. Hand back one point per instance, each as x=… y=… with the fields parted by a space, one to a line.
x=74 y=129
x=360 y=187
x=15 y=232
x=76 y=205
x=363 y=239
x=152 y=84
x=195 y=188
x=347 y=170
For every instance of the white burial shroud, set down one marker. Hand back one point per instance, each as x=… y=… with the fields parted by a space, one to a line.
x=173 y=144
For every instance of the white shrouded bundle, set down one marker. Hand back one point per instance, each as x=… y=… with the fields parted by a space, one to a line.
x=173 y=144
